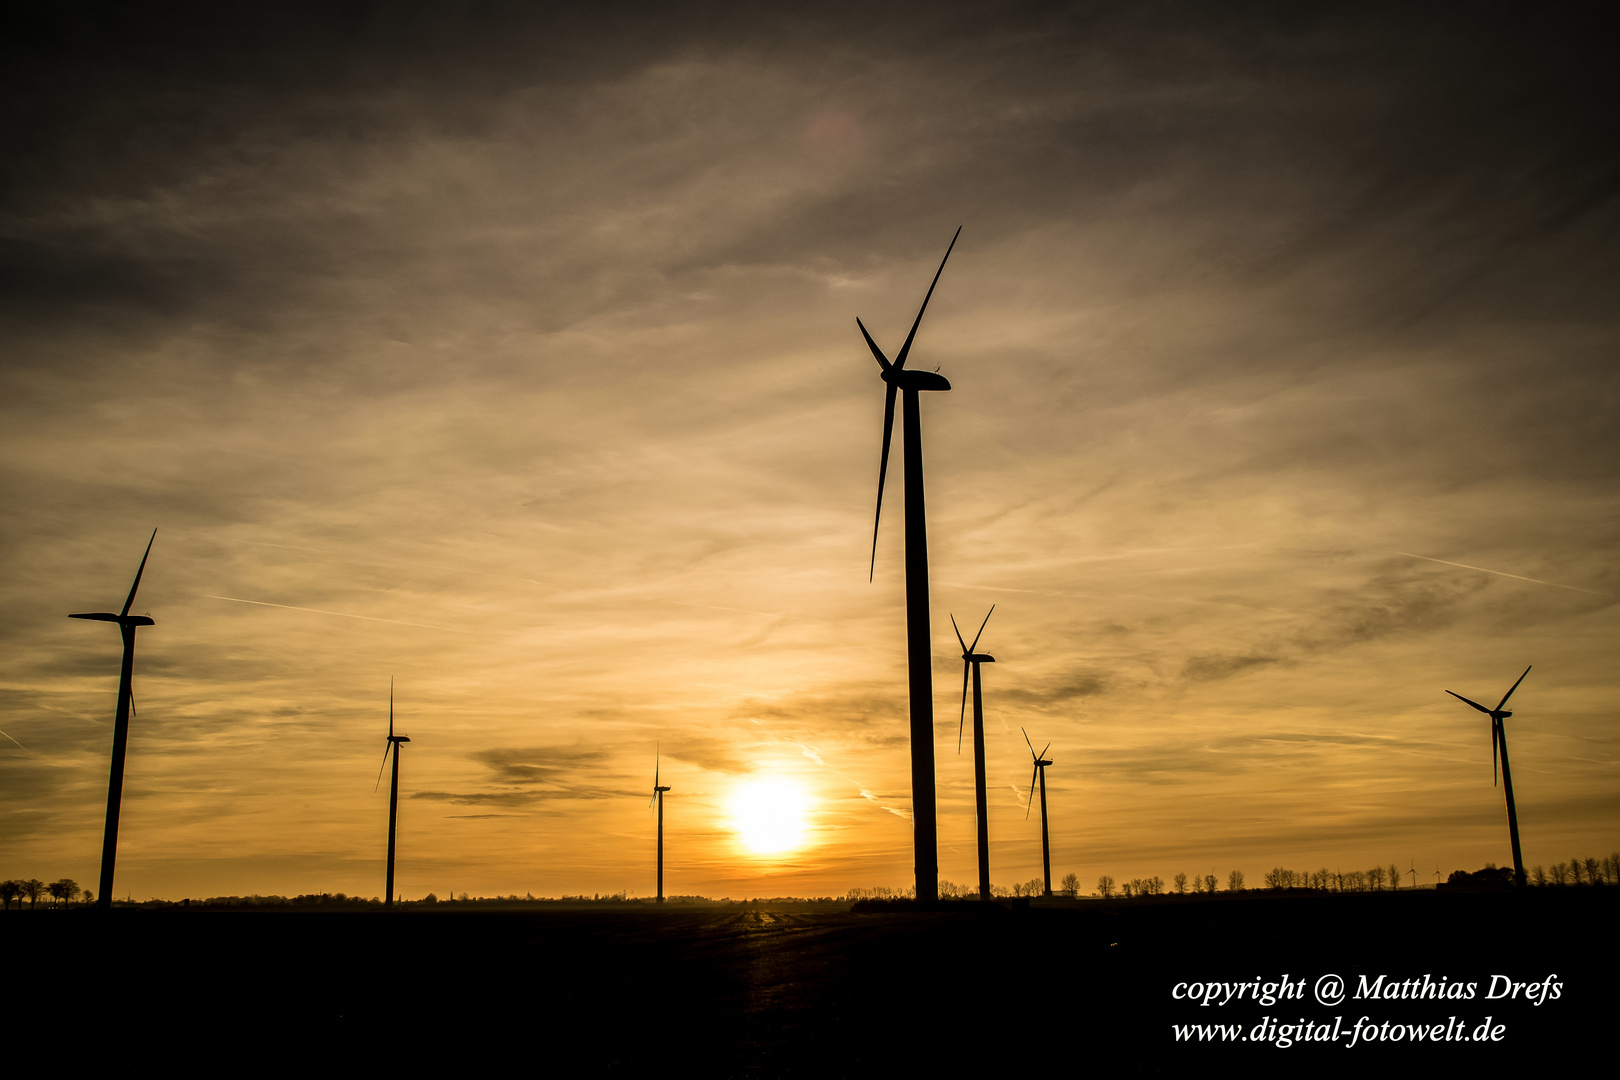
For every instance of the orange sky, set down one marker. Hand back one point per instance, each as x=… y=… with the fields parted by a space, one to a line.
x=517 y=361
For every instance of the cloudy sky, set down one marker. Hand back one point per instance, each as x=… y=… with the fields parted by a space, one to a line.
x=512 y=356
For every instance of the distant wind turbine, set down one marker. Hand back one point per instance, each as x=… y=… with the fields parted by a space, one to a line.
x=970 y=668
x=393 y=790
x=1041 y=763
x=1499 y=744
x=925 y=823
x=658 y=797
x=127 y=625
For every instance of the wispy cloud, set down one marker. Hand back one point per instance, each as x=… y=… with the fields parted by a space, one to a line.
x=1500 y=573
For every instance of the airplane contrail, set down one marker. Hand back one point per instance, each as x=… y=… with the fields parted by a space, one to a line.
x=1501 y=573
x=20 y=746
x=323 y=611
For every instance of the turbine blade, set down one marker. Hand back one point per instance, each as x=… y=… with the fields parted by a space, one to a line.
x=658 y=761
x=1043 y=752
x=980 y=634
x=140 y=570
x=961 y=717
x=390 y=706
x=883 y=361
x=959 y=641
x=905 y=350
x=1475 y=704
x=1512 y=688
x=1496 y=735
x=1031 y=745
x=1032 y=779
x=883 y=471
x=383 y=766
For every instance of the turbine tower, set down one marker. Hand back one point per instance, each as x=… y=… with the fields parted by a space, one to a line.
x=925 y=824
x=1499 y=744
x=970 y=668
x=658 y=797
x=393 y=790
x=127 y=625
x=1041 y=763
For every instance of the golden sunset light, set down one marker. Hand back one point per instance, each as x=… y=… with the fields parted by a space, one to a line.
x=771 y=815
x=512 y=356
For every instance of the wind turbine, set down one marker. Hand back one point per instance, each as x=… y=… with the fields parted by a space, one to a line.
x=925 y=823
x=1499 y=743
x=1041 y=763
x=127 y=625
x=970 y=665
x=393 y=790
x=658 y=797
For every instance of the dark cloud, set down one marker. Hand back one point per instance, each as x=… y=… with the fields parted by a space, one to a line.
x=1058 y=691
x=1213 y=666
x=559 y=767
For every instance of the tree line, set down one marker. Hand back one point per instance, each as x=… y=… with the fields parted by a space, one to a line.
x=61 y=892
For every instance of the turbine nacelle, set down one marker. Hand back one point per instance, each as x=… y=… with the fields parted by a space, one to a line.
x=1497 y=715
x=914 y=380
x=978 y=658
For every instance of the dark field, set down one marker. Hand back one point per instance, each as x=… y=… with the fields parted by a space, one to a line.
x=744 y=991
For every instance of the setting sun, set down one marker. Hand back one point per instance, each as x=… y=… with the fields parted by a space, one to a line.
x=771 y=815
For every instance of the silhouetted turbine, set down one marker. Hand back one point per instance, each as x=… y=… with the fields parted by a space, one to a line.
x=925 y=825
x=1040 y=774
x=127 y=625
x=658 y=797
x=393 y=790
x=970 y=667
x=1499 y=742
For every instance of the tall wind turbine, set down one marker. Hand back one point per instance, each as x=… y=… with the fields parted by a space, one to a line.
x=925 y=824
x=393 y=790
x=1041 y=763
x=970 y=668
x=1499 y=744
x=127 y=625
x=658 y=797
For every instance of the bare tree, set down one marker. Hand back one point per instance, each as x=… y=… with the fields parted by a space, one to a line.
x=1209 y=883
x=1234 y=881
x=1071 y=885
x=1181 y=884
x=9 y=891
x=89 y=898
x=32 y=890
x=1594 y=872
x=1105 y=886
x=1558 y=873
x=1375 y=879
x=1539 y=876
x=1394 y=876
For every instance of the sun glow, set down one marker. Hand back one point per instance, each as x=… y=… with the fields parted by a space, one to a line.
x=771 y=815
